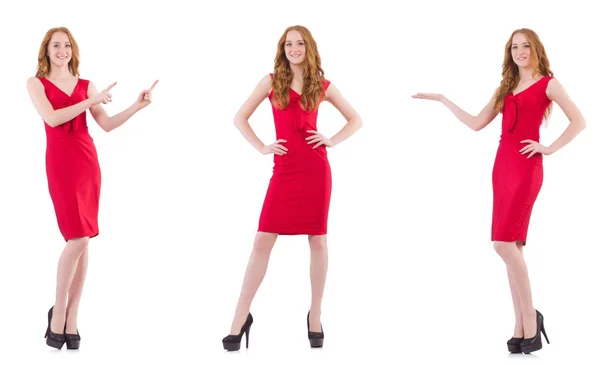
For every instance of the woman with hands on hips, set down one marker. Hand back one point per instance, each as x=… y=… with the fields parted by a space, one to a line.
x=297 y=200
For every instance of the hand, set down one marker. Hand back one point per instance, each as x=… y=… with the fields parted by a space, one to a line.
x=429 y=96
x=275 y=148
x=534 y=147
x=319 y=139
x=104 y=96
x=145 y=97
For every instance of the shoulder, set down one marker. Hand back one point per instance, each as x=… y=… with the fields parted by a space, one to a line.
x=325 y=83
x=34 y=82
x=552 y=84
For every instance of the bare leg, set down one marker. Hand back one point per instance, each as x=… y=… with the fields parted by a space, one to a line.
x=75 y=292
x=318 y=275
x=67 y=266
x=255 y=273
x=519 y=279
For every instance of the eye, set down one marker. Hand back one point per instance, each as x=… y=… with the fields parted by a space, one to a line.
x=514 y=47
x=527 y=46
x=68 y=45
x=301 y=43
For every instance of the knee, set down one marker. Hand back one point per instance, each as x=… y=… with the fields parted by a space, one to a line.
x=79 y=245
x=503 y=248
x=318 y=244
x=264 y=243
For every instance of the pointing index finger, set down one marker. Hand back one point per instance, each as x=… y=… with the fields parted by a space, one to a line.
x=153 y=85
x=111 y=86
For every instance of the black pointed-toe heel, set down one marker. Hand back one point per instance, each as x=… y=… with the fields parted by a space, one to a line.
x=514 y=345
x=315 y=338
x=233 y=342
x=72 y=340
x=53 y=339
x=533 y=344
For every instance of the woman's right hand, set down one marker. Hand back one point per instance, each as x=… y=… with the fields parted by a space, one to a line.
x=275 y=148
x=429 y=96
x=104 y=96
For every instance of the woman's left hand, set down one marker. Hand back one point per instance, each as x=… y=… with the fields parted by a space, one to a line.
x=145 y=97
x=534 y=147
x=318 y=139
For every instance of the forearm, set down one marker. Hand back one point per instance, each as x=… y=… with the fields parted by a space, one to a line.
x=64 y=115
x=244 y=127
x=119 y=119
x=574 y=128
x=464 y=117
x=348 y=130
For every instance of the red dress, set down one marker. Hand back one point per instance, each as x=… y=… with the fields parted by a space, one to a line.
x=297 y=200
x=516 y=179
x=72 y=166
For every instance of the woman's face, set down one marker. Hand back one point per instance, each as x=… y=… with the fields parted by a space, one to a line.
x=59 y=49
x=295 y=49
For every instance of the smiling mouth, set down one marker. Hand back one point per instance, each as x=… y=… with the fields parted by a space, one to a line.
x=521 y=58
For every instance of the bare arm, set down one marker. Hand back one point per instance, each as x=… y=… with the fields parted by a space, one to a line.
x=476 y=123
x=558 y=94
x=354 y=122
x=51 y=116
x=109 y=123
x=260 y=93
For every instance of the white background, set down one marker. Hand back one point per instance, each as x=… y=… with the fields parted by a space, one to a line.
x=413 y=278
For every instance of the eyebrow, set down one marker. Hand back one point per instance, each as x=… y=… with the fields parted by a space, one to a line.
x=514 y=44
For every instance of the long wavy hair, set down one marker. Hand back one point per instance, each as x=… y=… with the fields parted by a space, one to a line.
x=312 y=90
x=510 y=70
x=43 y=67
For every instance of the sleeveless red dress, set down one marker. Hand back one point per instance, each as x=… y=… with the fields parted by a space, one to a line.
x=517 y=180
x=72 y=166
x=297 y=200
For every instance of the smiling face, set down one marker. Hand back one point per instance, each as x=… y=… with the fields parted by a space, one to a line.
x=59 y=50
x=295 y=48
x=521 y=50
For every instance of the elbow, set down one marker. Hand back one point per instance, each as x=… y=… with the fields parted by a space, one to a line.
x=239 y=121
x=51 y=121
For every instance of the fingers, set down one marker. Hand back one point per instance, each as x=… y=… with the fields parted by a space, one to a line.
x=313 y=139
x=280 y=141
x=527 y=149
x=319 y=144
x=532 y=153
x=111 y=86
x=153 y=85
x=280 y=147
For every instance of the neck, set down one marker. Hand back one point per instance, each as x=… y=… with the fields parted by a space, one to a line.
x=59 y=72
x=525 y=73
x=297 y=71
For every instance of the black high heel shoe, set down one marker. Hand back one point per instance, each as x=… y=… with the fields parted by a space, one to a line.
x=514 y=345
x=72 y=340
x=529 y=345
x=53 y=339
x=233 y=342
x=315 y=338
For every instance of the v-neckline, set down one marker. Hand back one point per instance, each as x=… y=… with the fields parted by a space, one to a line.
x=529 y=87
x=292 y=89
x=62 y=91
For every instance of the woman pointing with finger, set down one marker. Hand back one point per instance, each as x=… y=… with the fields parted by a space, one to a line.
x=62 y=99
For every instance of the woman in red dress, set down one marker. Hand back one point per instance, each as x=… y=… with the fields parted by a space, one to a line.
x=524 y=98
x=297 y=200
x=62 y=99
